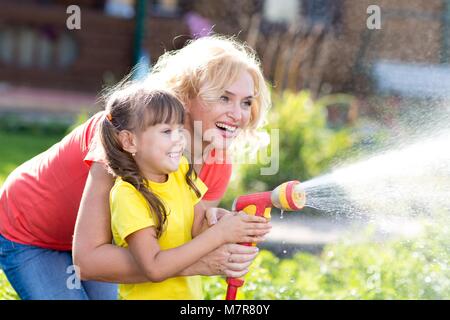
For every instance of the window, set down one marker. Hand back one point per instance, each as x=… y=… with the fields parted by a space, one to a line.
x=325 y=12
x=120 y=8
x=281 y=11
x=36 y=47
x=165 y=7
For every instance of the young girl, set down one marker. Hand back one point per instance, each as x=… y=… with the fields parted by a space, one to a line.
x=152 y=201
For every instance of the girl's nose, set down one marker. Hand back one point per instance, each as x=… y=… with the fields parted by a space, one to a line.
x=177 y=136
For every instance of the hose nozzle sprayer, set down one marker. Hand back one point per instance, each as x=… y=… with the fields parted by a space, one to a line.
x=288 y=196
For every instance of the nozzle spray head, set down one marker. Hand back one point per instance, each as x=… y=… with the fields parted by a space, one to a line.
x=289 y=196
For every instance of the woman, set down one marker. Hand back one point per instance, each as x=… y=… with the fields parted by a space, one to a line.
x=222 y=87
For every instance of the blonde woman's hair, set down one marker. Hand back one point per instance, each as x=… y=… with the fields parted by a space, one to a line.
x=206 y=66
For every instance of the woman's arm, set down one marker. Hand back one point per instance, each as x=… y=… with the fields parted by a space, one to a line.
x=93 y=251
x=200 y=224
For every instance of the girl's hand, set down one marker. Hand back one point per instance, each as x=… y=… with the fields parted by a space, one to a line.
x=240 y=227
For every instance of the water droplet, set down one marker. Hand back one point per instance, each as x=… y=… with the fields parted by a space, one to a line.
x=281 y=214
x=284 y=251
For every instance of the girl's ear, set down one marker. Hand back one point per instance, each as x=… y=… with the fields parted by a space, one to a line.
x=128 y=141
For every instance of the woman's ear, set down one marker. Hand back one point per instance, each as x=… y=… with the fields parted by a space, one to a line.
x=188 y=105
x=128 y=141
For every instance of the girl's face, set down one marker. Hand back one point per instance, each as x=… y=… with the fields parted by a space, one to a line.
x=222 y=120
x=159 y=149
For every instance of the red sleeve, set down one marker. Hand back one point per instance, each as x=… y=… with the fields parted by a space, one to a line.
x=94 y=150
x=216 y=177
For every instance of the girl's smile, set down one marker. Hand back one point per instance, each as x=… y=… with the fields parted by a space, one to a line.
x=155 y=142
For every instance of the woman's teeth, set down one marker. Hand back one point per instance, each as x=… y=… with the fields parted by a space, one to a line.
x=224 y=126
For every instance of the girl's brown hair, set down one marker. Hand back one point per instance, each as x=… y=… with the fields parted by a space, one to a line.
x=134 y=107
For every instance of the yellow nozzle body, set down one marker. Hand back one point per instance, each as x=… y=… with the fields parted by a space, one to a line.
x=289 y=196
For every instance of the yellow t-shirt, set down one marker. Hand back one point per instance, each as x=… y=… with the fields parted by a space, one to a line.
x=130 y=213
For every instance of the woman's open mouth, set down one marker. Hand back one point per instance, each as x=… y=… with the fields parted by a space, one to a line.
x=228 y=129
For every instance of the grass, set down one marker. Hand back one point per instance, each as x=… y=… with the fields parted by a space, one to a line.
x=18 y=147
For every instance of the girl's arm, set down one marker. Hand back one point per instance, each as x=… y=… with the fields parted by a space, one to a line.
x=158 y=265
x=98 y=259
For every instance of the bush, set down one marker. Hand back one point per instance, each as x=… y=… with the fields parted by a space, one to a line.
x=18 y=124
x=398 y=269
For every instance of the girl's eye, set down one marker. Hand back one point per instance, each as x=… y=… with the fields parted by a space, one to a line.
x=167 y=131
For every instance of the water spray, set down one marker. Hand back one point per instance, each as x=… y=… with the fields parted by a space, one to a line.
x=289 y=196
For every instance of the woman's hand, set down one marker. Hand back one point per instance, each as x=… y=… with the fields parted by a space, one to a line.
x=231 y=260
x=215 y=214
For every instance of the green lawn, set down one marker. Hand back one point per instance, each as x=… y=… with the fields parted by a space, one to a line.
x=19 y=147
x=16 y=149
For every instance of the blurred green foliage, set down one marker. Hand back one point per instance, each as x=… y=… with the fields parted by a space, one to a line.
x=397 y=269
x=81 y=118
x=17 y=124
x=6 y=291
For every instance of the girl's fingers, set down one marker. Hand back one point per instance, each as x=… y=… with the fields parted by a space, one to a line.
x=260 y=226
x=251 y=218
x=257 y=239
x=256 y=232
x=253 y=239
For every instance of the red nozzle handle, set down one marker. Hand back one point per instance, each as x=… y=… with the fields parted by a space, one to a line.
x=254 y=204
x=260 y=200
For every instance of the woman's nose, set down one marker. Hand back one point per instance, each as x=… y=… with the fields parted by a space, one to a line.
x=236 y=112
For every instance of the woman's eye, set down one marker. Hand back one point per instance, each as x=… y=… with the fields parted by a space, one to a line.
x=247 y=103
x=224 y=99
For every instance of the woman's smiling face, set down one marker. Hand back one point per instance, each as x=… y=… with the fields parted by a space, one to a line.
x=222 y=119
